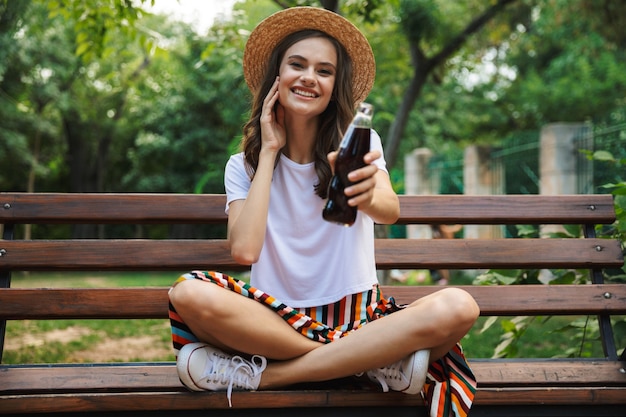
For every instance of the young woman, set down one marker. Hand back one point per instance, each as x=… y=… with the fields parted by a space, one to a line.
x=312 y=282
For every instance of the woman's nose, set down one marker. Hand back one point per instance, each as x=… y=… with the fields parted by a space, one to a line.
x=307 y=78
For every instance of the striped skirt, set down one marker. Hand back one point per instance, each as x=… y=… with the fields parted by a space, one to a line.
x=450 y=384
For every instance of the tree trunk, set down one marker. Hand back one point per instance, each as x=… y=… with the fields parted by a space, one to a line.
x=396 y=130
x=423 y=67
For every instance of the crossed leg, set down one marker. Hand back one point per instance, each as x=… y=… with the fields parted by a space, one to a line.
x=235 y=323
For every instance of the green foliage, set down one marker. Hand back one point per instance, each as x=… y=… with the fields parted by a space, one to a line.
x=542 y=338
x=568 y=67
x=420 y=19
x=513 y=329
x=618 y=189
x=370 y=11
x=582 y=331
x=188 y=127
x=97 y=22
x=124 y=116
x=562 y=337
x=150 y=105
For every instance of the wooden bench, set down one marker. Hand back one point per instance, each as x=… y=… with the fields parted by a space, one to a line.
x=514 y=387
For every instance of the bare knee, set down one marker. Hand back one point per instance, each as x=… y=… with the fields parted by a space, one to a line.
x=446 y=315
x=195 y=297
x=180 y=293
x=461 y=306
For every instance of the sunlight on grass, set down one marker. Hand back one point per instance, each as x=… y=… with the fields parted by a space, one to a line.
x=71 y=341
x=93 y=279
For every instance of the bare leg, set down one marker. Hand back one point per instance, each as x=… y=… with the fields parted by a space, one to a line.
x=231 y=322
x=434 y=322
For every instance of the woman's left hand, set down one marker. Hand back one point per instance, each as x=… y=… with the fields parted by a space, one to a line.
x=371 y=190
x=361 y=192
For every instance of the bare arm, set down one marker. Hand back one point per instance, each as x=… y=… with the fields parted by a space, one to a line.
x=247 y=219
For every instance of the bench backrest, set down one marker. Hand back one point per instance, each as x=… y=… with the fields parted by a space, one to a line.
x=213 y=253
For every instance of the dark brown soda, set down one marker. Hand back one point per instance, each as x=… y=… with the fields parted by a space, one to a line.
x=350 y=158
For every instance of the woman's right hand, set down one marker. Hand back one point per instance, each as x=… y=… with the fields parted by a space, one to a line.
x=247 y=219
x=272 y=121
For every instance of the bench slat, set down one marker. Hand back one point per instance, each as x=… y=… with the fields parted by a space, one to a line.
x=507 y=209
x=117 y=255
x=163 y=377
x=497 y=253
x=136 y=303
x=118 y=208
x=255 y=400
x=105 y=208
x=151 y=401
x=531 y=299
x=537 y=372
x=79 y=388
x=214 y=254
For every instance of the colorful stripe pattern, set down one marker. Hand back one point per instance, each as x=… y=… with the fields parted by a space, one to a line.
x=450 y=384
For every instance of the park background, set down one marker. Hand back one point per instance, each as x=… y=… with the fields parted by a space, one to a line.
x=110 y=96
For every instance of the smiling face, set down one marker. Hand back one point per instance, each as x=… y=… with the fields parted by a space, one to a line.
x=307 y=76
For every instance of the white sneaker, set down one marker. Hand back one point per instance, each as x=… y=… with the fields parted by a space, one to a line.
x=202 y=367
x=407 y=375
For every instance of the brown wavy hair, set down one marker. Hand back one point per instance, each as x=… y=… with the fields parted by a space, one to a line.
x=333 y=121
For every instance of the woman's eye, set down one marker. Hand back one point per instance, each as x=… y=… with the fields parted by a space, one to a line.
x=296 y=65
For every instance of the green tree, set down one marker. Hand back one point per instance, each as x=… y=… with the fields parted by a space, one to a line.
x=434 y=38
x=35 y=71
x=192 y=108
x=101 y=96
x=126 y=119
x=569 y=63
x=97 y=22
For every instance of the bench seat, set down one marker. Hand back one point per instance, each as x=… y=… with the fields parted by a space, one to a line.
x=512 y=387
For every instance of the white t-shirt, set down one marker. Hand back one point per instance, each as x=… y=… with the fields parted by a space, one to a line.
x=306 y=261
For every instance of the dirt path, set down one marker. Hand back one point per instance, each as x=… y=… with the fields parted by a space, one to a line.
x=140 y=348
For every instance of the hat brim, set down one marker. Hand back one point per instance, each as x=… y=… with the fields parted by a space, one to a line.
x=272 y=30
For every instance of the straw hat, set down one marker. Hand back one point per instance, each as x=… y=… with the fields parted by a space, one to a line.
x=268 y=34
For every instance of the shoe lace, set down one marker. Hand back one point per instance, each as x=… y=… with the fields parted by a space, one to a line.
x=389 y=372
x=235 y=372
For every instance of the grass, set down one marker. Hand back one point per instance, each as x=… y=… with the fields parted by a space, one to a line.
x=78 y=339
x=93 y=279
x=82 y=338
x=65 y=341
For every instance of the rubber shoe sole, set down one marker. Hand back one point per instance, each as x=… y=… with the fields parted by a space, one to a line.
x=418 y=370
x=182 y=365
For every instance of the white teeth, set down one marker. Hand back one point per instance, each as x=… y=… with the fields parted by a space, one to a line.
x=304 y=93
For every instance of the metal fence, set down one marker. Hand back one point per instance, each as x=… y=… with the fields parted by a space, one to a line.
x=517 y=160
x=610 y=138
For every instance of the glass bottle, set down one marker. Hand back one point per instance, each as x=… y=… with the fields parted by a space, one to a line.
x=353 y=147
